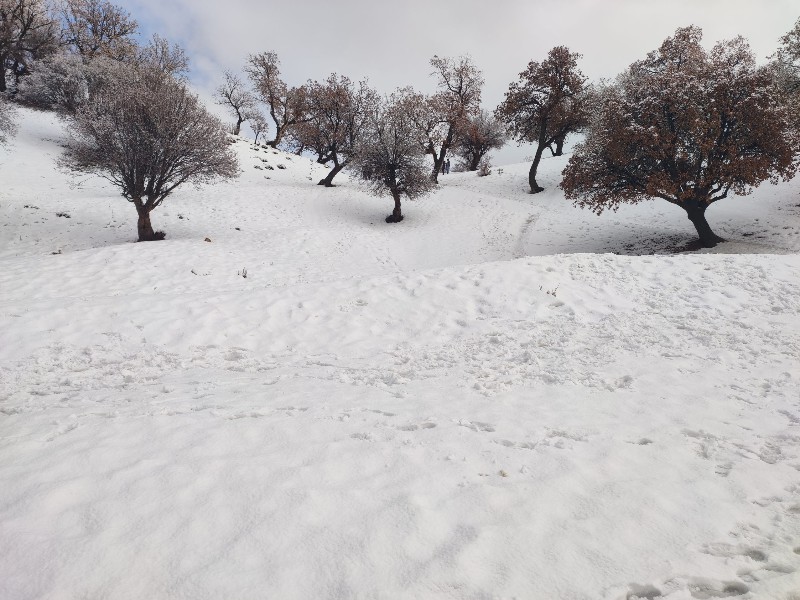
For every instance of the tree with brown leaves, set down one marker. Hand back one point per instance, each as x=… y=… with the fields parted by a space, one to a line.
x=94 y=28
x=339 y=112
x=687 y=126
x=288 y=106
x=439 y=118
x=147 y=134
x=481 y=134
x=544 y=106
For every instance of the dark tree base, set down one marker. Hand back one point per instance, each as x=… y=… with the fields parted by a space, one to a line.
x=394 y=219
x=536 y=190
x=156 y=237
x=326 y=183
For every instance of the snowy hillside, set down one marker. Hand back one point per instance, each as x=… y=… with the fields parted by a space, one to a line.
x=501 y=397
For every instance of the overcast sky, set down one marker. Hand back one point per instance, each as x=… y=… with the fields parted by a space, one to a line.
x=390 y=43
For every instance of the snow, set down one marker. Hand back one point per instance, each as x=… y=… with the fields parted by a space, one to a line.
x=501 y=397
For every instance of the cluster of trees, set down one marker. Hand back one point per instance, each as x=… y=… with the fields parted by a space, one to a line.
x=131 y=116
x=684 y=124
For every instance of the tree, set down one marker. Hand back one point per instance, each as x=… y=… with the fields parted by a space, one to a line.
x=258 y=123
x=440 y=118
x=27 y=33
x=786 y=67
x=94 y=28
x=687 y=126
x=389 y=159
x=237 y=98
x=543 y=107
x=163 y=57
x=481 y=134
x=147 y=134
x=58 y=82
x=287 y=105
x=339 y=111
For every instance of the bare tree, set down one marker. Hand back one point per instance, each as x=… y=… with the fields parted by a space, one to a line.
x=478 y=136
x=687 y=126
x=27 y=33
x=147 y=134
x=233 y=95
x=97 y=28
x=339 y=111
x=543 y=106
x=162 y=56
x=287 y=105
x=440 y=117
x=258 y=123
x=389 y=159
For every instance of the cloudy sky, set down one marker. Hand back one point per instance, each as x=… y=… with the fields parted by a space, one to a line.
x=391 y=42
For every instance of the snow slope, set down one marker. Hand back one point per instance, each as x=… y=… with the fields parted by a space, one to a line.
x=497 y=398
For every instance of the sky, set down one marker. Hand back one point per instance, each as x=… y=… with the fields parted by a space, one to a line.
x=391 y=43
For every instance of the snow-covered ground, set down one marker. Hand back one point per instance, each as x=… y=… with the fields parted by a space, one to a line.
x=501 y=397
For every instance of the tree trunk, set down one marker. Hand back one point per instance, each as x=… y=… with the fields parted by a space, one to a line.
x=143 y=226
x=696 y=211
x=535 y=187
x=559 y=146
x=238 y=127
x=396 y=215
x=279 y=131
x=328 y=181
x=475 y=162
x=437 y=168
x=3 y=58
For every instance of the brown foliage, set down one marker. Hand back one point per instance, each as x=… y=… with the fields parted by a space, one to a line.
x=685 y=125
x=98 y=28
x=546 y=104
x=477 y=136
x=338 y=114
x=288 y=106
x=440 y=117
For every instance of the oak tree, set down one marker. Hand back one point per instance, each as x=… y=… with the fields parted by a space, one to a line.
x=688 y=126
x=27 y=33
x=544 y=105
x=146 y=133
x=233 y=95
x=389 y=159
x=338 y=115
x=478 y=136
x=439 y=118
x=94 y=28
x=287 y=106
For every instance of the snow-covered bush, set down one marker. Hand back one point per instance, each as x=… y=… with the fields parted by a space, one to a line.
x=58 y=82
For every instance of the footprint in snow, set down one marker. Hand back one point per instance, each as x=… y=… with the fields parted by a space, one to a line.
x=415 y=427
x=477 y=426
